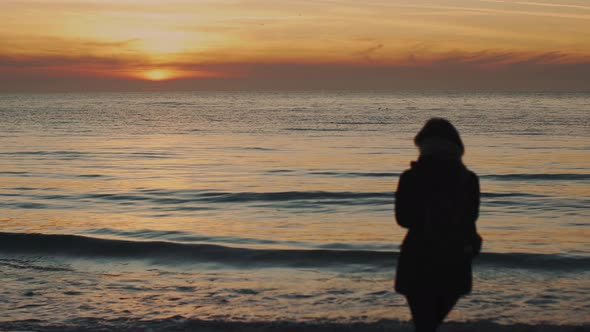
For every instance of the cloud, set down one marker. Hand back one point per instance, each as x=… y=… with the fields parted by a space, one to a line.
x=454 y=10
x=17 y=45
x=367 y=53
x=491 y=59
x=540 y=4
x=63 y=63
x=485 y=70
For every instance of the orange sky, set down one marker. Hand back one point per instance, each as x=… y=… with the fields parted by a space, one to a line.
x=61 y=45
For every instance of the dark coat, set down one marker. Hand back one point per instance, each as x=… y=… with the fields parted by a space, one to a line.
x=437 y=200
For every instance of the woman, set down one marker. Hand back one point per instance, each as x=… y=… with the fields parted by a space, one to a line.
x=437 y=200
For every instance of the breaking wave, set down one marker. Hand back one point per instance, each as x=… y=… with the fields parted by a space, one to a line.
x=164 y=251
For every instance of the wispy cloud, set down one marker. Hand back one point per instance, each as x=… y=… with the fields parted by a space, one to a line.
x=474 y=62
x=367 y=54
x=512 y=12
x=337 y=42
x=540 y=4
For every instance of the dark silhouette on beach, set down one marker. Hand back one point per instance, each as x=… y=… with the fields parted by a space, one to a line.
x=437 y=200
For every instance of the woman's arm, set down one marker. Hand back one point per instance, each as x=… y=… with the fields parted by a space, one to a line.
x=405 y=201
x=474 y=200
x=474 y=246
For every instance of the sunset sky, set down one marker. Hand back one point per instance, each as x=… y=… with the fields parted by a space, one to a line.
x=85 y=45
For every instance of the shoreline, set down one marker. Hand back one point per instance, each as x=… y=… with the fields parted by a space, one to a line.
x=179 y=323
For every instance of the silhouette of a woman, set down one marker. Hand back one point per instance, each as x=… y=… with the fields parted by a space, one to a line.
x=437 y=200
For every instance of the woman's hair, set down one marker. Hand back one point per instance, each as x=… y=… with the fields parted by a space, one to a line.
x=439 y=128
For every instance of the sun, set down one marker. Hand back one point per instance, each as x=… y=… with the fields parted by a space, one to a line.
x=158 y=74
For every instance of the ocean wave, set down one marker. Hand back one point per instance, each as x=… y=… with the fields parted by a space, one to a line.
x=42 y=153
x=188 y=237
x=196 y=200
x=57 y=155
x=165 y=196
x=316 y=129
x=162 y=252
x=23 y=264
x=356 y=174
x=180 y=323
x=291 y=195
x=178 y=197
x=167 y=103
x=537 y=177
x=497 y=177
x=81 y=246
x=54 y=175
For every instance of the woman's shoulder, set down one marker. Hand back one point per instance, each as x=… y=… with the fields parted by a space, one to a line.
x=410 y=171
x=472 y=180
x=471 y=174
x=447 y=169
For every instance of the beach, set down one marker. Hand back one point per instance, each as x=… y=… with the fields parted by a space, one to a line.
x=177 y=324
x=252 y=211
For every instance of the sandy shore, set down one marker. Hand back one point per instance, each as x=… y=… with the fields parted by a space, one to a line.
x=178 y=324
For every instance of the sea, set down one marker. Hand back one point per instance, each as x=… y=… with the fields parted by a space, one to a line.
x=273 y=211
